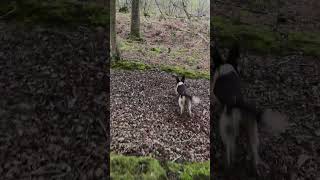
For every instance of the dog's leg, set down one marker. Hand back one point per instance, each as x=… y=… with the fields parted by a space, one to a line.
x=181 y=104
x=227 y=135
x=236 y=118
x=254 y=145
x=189 y=108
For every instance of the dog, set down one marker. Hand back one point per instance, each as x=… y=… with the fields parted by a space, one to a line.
x=184 y=98
x=236 y=112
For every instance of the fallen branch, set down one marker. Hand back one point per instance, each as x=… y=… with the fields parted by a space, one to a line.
x=201 y=36
x=9 y=12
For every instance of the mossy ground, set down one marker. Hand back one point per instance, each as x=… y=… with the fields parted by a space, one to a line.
x=132 y=167
x=262 y=39
x=177 y=70
x=58 y=12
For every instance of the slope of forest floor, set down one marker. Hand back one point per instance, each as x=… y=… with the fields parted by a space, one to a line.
x=266 y=27
x=173 y=42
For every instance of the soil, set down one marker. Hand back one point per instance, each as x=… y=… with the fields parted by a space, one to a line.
x=53 y=89
x=145 y=117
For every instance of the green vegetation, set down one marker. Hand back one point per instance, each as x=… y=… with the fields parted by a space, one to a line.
x=128 y=45
x=192 y=74
x=131 y=167
x=262 y=39
x=189 y=171
x=66 y=12
x=137 y=65
x=130 y=65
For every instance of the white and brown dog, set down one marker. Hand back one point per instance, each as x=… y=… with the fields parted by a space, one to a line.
x=184 y=98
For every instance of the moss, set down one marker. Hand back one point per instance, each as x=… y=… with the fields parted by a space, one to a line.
x=188 y=171
x=262 y=39
x=130 y=167
x=191 y=61
x=136 y=65
x=128 y=45
x=130 y=65
x=309 y=43
x=59 y=12
x=156 y=49
x=133 y=167
x=192 y=74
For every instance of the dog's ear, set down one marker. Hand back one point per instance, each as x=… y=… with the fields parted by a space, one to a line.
x=177 y=79
x=183 y=78
x=234 y=55
x=217 y=59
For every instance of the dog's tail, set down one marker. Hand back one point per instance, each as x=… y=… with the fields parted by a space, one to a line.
x=193 y=99
x=274 y=121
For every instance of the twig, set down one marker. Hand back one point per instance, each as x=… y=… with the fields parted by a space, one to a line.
x=195 y=33
x=104 y=128
x=9 y=12
x=186 y=139
x=176 y=158
x=279 y=63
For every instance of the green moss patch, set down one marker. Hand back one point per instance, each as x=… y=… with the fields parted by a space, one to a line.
x=130 y=65
x=58 y=12
x=132 y=167
x=192 y=74
x=136 y=65
x=262 y=39
x=188 y=171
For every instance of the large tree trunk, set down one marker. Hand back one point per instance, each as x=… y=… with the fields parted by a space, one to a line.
x=113 y=38
x=135 y=19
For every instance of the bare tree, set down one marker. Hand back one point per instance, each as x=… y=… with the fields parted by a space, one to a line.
x=135 y=19
x=114 y=48
x=184 y=6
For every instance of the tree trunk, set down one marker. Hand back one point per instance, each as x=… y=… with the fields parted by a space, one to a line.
x=114 y=48
x=135 y=19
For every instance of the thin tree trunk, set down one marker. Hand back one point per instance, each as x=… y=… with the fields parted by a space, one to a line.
x=114 y=48
x=135 y=19
x=184 y=6
x=159 y=8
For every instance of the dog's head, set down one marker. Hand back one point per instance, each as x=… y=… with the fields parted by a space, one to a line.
x=180 y=81
x=231 y=64
x=180 y=86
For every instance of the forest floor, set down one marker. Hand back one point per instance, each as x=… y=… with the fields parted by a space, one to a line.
x=52 y=107
x=288 y=83
x=173 y=42
x=145 y=116
x=291 y=85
